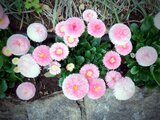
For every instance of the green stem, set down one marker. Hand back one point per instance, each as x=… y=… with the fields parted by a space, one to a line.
x=54 y=13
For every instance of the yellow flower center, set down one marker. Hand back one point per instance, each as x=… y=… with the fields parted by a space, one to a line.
x=97 y=88
x=90 y=15
x=59 y=51
x=75 y=87
x=1 y=20
x=112 y=60
x=124 y=46
x=41 y=55
x=70 y=39
x=89 y=73
x=62 y=29
x=54 y=67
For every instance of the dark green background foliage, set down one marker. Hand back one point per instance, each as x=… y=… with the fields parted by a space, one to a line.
x=145 y=34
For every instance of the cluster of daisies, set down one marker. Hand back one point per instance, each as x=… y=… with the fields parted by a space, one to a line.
x=87 y=81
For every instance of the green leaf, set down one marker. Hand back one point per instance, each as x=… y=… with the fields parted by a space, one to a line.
x=48 y=74
x=134 y=28
x=1 y=62
x=31 y=49
x=155 y=75
x=147 y=24
x=80 y=60
x=88 y=54
x=134 y=70
x=3 y=86
x=2 y=95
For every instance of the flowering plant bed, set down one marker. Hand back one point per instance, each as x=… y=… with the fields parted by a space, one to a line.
x=84 y=64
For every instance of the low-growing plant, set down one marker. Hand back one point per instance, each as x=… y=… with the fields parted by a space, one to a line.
x=35 y=4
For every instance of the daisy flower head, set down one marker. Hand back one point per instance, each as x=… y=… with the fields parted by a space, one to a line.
x=74 y=27
x=37 y=32
x=59 y=51
x=75 y=86
x=89 y=15
x=97 y=88
x=15 y=61
x=28 y=67
x=96 y=28
x=4 y=21
x=89 y=71
x=18 y=44
x=119 y=34
x=124 y=89
x=146 y=56
x=70 y=67
x=16 y=70
x=1 y=11
x=6 y=51
x=26 y=91
x=112 y=77
x=41 y=55
x=54 y=68
x=70 y=41
x=59 y=29
x=157 y=21
x=112 y=60
x=124 y=49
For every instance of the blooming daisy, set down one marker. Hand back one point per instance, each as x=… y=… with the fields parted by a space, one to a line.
x=119 y=34
x=97 y=88
x=59 y=51
x=124 y=49
x=124 y=89
x=41 y=55
x=70 y=67
x=54 y=68
x=18 y=44
x=90 y=71
x=96 y=28
x=59 y=29
x=146 y=56
x=89 y=15
x=26 y=91
x=157 y=20
x=4 y=21
x=112 y=77
x=37 y=32
x=75 y=86
x=112 y=60
x=74 y=27
x=15 y=60
x=28 y=66
x=6 y=51
x=70 y=41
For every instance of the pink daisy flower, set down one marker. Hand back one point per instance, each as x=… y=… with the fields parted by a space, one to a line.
x=74 y=27
x=146 y=56
x=4 y=21
x=37 y=32
x=54 y=68
x=26 y=91
x=96 y=28
x=112 y=77
x=75 y=86
x=90 y=71
x=59 y=51
x=70 y=41
x=18 y=44
x=112 y=60
x=124 y=49
x=59 y=29
x=1 y=11
x=89 y=15
x=97 y=88
x=6 y=51
x=41 y=55
x=119 y=34
x=124 y=89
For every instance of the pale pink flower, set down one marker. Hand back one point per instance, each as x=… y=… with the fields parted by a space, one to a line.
x=59 y=51
x=1 y=11
x=157 y=21
x=54 y=68
x=89 y=15
x=74 y=27
x=75 y=86
x=18 y=44
x=97 y=88
x=4 y=22
x=26 y=91
x=41 y=55
x=124 y=49
x=28 y=66
x=6 y=51
x=124 y=89
x=146 y=56
x=37 y=32
x=112 y=77
x=90 y=71
x=70 y=41
x=119 y=34
x=59 y=29
x=112 y=60
x=96 y=28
